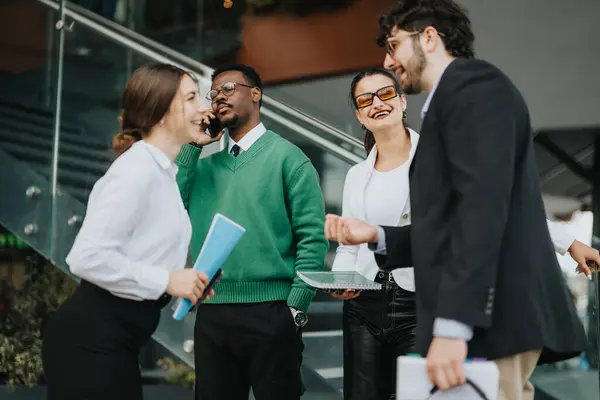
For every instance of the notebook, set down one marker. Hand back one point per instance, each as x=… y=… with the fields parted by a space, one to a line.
x=222 y=237
x=412 y=382
x=338 y=280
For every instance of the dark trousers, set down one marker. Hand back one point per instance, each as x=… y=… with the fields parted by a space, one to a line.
x=379 y=326
x=90 y=347
x=243 y=346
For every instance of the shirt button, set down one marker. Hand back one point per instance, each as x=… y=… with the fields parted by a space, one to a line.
x=405 y=216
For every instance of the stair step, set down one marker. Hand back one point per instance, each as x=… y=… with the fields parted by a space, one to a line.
x=18 y=124
x=46 y=144
x=41 y=114
x=29 y=155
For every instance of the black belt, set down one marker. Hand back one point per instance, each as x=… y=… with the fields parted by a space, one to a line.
x=384 y=276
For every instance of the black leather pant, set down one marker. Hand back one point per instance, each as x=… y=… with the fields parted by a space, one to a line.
x=379 y=326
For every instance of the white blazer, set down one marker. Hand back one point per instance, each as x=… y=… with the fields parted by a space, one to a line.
x=360 y=258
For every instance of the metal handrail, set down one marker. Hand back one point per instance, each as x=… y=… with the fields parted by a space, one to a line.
x=162 y=53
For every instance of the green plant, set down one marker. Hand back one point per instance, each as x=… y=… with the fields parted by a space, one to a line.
x=178 y=373
x=24 y=312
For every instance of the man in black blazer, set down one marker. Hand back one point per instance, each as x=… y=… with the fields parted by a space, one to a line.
x=488 y=283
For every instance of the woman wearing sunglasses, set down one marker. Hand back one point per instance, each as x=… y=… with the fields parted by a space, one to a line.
x=379 y=325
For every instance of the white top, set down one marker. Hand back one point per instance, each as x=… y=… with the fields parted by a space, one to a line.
x=136 y=228
x=372 y=196
x=249 y=138
x=381 y=210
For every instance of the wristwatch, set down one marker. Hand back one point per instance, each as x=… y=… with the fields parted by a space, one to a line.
x=300 y=317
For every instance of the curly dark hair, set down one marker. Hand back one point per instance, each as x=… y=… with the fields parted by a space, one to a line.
x=449 y=18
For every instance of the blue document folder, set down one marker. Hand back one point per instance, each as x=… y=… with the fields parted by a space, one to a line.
x=222 y=237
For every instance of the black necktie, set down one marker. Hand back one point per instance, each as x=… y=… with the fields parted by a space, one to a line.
x=235 y=150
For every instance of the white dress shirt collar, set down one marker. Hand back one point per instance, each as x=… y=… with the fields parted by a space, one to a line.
x=414 y=139
x=249 y=138
x=430 y=97
x=160 y=157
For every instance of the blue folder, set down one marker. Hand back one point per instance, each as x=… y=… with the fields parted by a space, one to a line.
x=222 y=237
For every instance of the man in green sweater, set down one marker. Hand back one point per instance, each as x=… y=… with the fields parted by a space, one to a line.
x=248 y=334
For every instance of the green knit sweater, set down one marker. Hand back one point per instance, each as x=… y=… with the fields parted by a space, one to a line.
x=273 y=191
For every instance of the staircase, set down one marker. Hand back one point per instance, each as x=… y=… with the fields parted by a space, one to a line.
x=26 y=133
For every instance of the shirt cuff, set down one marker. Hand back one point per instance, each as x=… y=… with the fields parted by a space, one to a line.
x=379 y=247
x=560 y=236
x=451 y=329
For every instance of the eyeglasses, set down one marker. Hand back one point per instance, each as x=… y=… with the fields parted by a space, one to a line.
x=366 y=99
x=228 y=89
x=392 y=43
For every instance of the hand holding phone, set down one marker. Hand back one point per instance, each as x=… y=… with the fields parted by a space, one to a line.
x=215 y=127
x=211 y=130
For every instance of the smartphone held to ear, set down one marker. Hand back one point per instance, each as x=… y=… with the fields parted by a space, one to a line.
x=215 y=127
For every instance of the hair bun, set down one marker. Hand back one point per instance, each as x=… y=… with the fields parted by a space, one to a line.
x=125 y=139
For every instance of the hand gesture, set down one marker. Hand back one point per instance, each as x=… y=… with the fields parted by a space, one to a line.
x=582 y=253
x=202 y=138
x=445 y=360
x=349 y=231
x=188 y=283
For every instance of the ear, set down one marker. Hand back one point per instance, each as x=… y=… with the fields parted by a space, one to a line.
x=256 y=94
x=430 y=39
x=403 y=102
x=359 y=116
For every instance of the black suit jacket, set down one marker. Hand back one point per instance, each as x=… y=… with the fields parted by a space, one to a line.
x=479 y=241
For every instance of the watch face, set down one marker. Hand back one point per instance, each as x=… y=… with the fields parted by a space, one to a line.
x=301 y=319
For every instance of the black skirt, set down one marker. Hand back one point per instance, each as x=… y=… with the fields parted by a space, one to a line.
x=90 y=346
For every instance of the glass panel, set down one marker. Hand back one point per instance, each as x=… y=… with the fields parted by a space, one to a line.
x=26 y=120
x=576 y=378
x=188 y=59
x=305 y=97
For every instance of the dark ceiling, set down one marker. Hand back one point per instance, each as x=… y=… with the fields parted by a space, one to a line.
x=565 y=161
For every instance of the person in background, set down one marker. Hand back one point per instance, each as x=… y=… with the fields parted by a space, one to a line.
x=379 y=326
x=132 y=247
x=250 y=330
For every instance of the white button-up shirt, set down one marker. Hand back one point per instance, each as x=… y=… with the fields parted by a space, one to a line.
x=136 y=229
x=249 y=138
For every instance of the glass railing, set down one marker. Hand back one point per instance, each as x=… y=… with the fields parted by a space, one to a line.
x=331 y=139
x=58 y=114
x=27 y=135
